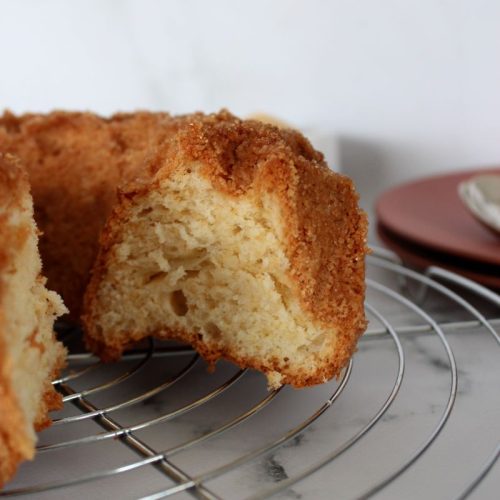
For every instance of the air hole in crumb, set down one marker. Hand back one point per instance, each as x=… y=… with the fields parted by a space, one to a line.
x=145 y=211
x=192 y=273
x=179 y=303
x=155 y=277
x=236 y=229
x=213 y=330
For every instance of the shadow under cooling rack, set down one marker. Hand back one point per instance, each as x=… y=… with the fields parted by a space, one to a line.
x=416 y=413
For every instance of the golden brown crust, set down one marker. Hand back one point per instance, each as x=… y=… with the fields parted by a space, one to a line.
x=75 y=162
x=325 y=233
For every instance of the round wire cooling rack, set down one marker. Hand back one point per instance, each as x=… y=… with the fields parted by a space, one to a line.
x=415 y=414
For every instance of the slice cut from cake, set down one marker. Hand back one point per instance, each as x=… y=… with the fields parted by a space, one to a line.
x=29 y=354
x=240 y=241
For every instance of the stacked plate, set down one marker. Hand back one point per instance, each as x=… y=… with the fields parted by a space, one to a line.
x=426 y=223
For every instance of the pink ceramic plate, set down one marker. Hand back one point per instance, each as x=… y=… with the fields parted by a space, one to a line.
x=429 y=213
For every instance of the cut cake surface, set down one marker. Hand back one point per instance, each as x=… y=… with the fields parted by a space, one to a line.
x=30 y=356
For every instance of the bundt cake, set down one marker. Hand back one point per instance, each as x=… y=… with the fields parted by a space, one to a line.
x=29 y=354
x=239 y=240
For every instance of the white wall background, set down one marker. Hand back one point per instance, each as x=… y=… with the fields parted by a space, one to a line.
x=407 y=86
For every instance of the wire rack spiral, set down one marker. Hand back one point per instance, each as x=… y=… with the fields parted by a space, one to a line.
x=415 y=414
